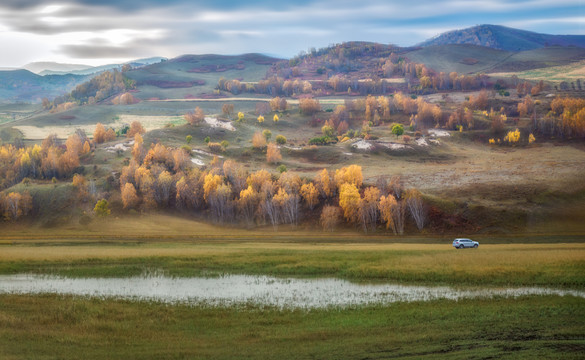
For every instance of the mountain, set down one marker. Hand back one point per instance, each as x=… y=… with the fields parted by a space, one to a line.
x=504 y=38
x=23 y=85
x=98 y=69
x=42 y=66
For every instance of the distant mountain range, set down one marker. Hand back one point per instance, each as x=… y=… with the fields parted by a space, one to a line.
x=50 y=79
x=504 y=38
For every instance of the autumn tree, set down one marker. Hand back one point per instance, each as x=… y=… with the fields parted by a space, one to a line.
x=349 y=198
x=227 y=110
x=310 y=195
x=368 y=208
x=195 y=117
x=415 y=205
x=247 y=204
x=189 y=190
x=290 y=182
x=138 y=150
x=309 y=106
x=99 y=134
x=324 y=184
x=257 y=179
x=135 y=128
x=349 y=175
x=387 y=207
x=80 y=184
x=258 y=140
x=235 y=175
x=110 y=135
x=16 y=205
x=278 y=104
x=129 y=197
x=330 y=217
x=273 y=153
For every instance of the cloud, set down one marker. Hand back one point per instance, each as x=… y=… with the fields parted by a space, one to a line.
x=86 y=29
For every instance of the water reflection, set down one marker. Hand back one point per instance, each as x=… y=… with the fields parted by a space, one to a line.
x=258 y=290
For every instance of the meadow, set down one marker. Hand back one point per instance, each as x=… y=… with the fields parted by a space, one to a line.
x=507 y=328
x=535 y=327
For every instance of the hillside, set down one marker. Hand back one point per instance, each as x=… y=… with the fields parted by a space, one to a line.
x=469 y=59
x=190 y=76
x=504 y=38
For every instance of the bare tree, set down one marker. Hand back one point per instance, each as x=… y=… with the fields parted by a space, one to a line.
x=416 y=206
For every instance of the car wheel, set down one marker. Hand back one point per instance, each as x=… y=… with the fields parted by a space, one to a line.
x=475 y=246
x=461 y=246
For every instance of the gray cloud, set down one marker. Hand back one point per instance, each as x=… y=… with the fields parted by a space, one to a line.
x=130 y=28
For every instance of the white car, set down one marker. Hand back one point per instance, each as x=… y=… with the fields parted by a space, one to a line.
x=461 y=243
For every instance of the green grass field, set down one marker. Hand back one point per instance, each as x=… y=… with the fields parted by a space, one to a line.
x=63 y=327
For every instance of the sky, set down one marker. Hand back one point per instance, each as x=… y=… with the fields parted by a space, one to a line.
x=114 y=31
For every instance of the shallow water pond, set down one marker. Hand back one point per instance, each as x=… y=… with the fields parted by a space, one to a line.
x=258 y=290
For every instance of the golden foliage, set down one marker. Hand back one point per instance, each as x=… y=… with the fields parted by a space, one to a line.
x=349 y=175
x=273 y=153
x=135 y=128
x=310 y=195
x=129 y=197
x=258 y=140
x=349 y=198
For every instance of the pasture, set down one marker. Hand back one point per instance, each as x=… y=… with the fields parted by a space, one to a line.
x=62 y=326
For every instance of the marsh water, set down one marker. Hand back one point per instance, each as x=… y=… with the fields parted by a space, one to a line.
x=232 y=290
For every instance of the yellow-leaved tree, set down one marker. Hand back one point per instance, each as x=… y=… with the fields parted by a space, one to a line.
x=349 y=200
x=310 y=195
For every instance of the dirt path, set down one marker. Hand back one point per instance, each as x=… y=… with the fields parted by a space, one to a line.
x=290 y=101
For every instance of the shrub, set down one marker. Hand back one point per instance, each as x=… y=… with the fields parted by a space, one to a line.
x=207 y=139
x=398 y=130
x=215 y=147
x=188 y=138
x=281 y=168
x=225 y=144
x=102 y=208
x=280 y=140
x=321 y=140
x=267 y=134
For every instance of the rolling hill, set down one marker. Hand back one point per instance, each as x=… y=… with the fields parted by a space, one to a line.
x=469 y=59
x=504 y=38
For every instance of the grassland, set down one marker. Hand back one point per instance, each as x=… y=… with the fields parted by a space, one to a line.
x=568 y=73
x=416 y=261
x=67 y=327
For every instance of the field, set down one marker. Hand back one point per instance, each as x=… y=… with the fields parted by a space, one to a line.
x=538 y=327
x=419 y=261
x=568 y=73
x=530 y=326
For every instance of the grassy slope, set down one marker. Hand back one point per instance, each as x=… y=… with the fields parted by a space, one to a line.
x=537 y=327
x=177 y=70
x=449 y=58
